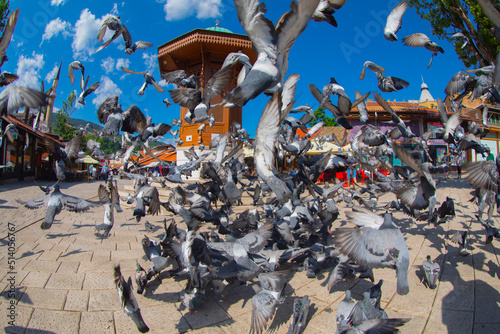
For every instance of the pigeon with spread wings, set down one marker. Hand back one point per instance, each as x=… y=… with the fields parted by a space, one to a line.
x=377 y=243
x=148 y=77
x=55 y=202
x=272 y=43
x=87 y=91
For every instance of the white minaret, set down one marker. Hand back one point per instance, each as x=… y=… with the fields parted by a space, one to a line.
x=425 y=96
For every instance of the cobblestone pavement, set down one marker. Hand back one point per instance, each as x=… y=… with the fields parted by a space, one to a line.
x=63 y=276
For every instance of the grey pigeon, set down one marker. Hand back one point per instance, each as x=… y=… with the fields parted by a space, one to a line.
x=141 y=279
x=266 y=136
x=133 y=47
x=431 y=272
x=74 y=66
x=12 y=98
x=128 y=301
x=394 y=20
x=299 y=316
x=272 y=43
x=148 y=80
x=115 y=119
x=109 y=198
x=344 y=308
x=7 y=36
x=55 y=202
x=7 y=78
x=421 y=40
x=375 y=247
x=461 y=238
x=87 y=91
x=64 y=156
x=264 y=303
x=324 y=13
x=113 y=23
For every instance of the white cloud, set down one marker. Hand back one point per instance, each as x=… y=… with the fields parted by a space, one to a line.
x=28 y=70
x=51 y=75
x=208 y=9
x=150 y=60
x=108 y=64
x=163 y=83
x=56 y=26
x=106 y=89
x=57 y=2
x=86 y=29
x=181 y=9
x=122 y=62
x=114 y=11
x=85 y=37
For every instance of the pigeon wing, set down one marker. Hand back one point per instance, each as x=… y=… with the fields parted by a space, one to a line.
x=482 y=174
x=34 y=203
x=91 y=89
x=416 y=40
x=394 y=20
x=263 y=307
x=186 y=97
x=134 y=120
x=75 y=204
x=8 y=31
x=126 y=70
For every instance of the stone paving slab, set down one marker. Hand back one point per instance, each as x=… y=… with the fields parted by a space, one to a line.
x=64 y=276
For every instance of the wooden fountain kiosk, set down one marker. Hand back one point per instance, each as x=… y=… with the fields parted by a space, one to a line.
x=202 y=52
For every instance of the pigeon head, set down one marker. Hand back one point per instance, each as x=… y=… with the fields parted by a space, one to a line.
x=140 y=279
x=431 y=273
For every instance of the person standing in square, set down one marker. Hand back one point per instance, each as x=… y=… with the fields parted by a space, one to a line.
x=459 y=165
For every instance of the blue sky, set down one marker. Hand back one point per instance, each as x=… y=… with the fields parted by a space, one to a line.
x=49 y=31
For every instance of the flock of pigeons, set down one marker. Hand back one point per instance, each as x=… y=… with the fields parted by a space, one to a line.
x=289 y=225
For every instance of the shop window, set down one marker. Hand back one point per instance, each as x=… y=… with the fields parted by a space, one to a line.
x=10 y=158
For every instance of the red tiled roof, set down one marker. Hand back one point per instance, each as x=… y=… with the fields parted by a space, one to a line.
x=168 y=155
x=26 y=128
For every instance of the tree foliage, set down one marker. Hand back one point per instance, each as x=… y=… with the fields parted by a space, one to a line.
x=448 y=17
x=321 y=116
x=62 y=127
x=4 y=13
x=108 y=145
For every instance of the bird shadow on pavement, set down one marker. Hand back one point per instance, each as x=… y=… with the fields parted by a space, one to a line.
x=76 y=251
x=60 y=235
x=29 y=253
x=468 y=294
x=20 y=329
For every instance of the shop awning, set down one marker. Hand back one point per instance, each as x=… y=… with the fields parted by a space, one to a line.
x=87 y=160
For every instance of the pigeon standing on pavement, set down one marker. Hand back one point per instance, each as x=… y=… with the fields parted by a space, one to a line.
x=431 y=272
x=299 y=317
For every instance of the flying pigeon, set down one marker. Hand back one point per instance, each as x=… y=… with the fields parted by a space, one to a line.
x=55 y=202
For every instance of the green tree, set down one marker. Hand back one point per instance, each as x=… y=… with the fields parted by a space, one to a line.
x=62 y=127
x=4 y=13
x=448 y=17
x=321 y=116
x=109 y=146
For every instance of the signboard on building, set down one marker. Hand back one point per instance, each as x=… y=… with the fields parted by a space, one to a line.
x=434 y=125
x=436 y=142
